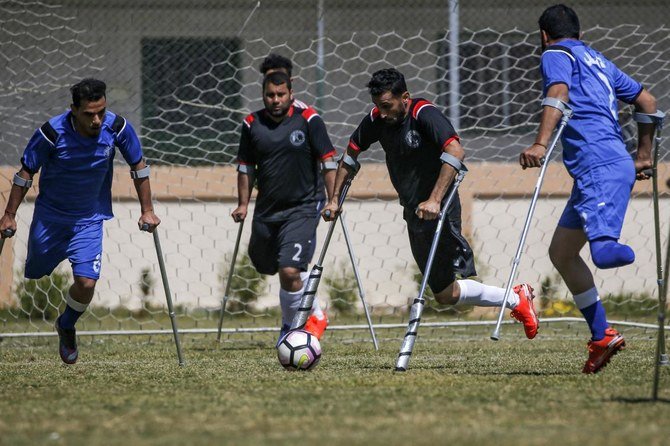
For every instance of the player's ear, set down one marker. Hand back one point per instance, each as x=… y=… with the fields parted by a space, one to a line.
x=405 y=97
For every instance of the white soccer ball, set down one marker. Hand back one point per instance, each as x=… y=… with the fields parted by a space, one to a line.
x=299 y=350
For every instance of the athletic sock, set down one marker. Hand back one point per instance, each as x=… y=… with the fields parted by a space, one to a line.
x=607 y=253
x=72 y=313
x=290 y=302
x=593 y=311
x=316 y=307
x=478 y=294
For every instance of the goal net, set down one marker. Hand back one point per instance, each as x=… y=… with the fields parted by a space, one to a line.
x=187 y=90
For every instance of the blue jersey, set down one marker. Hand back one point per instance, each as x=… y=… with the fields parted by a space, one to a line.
x=593 y=135
x=76 y=170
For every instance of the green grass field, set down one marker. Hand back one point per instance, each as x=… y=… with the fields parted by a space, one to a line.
x=461 y=389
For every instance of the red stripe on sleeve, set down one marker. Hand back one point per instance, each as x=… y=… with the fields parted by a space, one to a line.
x=248 y=120
x=418 y=106
x=374 y=114
x=449 y=141
x=329 y=154
x=309 y=113
x=352 y=145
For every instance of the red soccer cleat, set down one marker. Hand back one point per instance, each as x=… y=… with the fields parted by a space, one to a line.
x=525 y=310
x=600 y=352
x=316 y=326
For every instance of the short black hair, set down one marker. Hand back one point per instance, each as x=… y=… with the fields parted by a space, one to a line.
x=88 y=89
x=388 y=79
x=560 y=22
x=277 y=78
x=276 y=61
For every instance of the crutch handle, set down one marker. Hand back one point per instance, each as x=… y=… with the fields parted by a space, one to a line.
x=144 y=227
x=648 y=172
x=7 y=233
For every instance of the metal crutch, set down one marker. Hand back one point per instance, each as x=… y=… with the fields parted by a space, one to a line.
x=361 y=292
x=166 y=287
x=307 y=299
x=407 y=346
x=567 y=114
x=230 y=280
x=661 y=356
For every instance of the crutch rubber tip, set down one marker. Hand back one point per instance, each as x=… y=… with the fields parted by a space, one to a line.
x=400 y=369
x=495 y=337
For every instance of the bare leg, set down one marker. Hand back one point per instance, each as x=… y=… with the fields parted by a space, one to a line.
x=564 y=254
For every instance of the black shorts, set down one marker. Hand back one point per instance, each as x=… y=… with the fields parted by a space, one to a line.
x=453 y=257
x=280 y=244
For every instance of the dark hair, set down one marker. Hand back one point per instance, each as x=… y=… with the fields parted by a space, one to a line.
x=388 y=79
x=276 y=61
x=277 y=78
x=560 y=21
x=88 y=89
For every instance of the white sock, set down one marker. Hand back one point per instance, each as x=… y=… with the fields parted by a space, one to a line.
x=480 y=295
x=316 y=307
x=290 y=302
x=587 y=298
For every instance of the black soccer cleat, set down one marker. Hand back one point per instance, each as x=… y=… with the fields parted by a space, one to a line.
x=67 y=345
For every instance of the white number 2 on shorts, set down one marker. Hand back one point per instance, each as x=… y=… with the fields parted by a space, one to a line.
x=298 y=246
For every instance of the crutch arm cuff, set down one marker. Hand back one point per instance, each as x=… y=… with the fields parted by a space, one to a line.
x=649 y=118
x=246 y=169
x=141 y=173
x=557 y=104
x=351 y=162
x=22 y=182
x=329 y=165
x=454 y=162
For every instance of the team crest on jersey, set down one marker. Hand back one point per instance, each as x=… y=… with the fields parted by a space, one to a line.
x=297 y=137
x=108 y=151
x=413 y=139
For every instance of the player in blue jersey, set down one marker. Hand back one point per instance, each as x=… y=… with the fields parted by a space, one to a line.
x=423 y=153
x=286 y=149
x=75 y=153
x=595 y=156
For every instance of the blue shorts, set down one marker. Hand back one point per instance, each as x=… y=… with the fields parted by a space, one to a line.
x=50 y=243
x=599 y=199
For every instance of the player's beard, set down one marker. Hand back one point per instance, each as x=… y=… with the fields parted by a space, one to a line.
x=280 y=111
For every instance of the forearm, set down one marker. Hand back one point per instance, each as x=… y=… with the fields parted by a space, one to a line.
x=17 y=194
x=645 y=103
x=550 y=115
x=341 y=176
x=143 y=189
x=329 y=179
x=244 y=187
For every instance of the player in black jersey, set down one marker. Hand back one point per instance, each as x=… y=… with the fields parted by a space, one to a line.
x=284 y=148
x=414 y=135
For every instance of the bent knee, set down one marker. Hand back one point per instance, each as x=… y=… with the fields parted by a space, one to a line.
x=449 y=295
x=85 y=284
x=289 y=279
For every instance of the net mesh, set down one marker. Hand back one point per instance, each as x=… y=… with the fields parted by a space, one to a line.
x=187 y=93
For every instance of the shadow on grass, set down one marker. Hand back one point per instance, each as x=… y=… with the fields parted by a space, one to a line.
x=639 y=400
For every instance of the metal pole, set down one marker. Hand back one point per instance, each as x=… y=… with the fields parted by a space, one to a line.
x=454 y=78
x=230 y=280
x=320 y=70
x=361 y=292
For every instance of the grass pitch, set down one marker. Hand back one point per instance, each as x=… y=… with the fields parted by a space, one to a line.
x=130 y=391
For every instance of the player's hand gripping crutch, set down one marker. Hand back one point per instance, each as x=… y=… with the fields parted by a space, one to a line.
x=661 y=356
x=8 y=233
x=407 y=346
x=166 y=287
x=567 y=114
x=307 y=299
x=230 y=280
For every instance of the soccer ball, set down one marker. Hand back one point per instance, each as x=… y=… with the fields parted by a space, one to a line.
x=299 y=350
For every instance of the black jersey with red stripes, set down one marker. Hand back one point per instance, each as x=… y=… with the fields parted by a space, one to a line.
x=286 y=157
x=412 y=146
